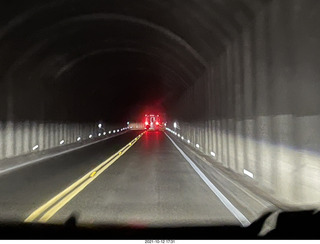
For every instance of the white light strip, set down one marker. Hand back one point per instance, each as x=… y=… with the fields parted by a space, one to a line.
x=243 y=220
x=35 y=147
x=248 y=173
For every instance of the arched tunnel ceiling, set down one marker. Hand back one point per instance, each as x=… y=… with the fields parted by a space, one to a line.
x=89 y=60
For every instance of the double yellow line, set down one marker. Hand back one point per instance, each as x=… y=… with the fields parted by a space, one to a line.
x=47 y=210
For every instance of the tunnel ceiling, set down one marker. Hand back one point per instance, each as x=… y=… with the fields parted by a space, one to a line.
x=98 y=59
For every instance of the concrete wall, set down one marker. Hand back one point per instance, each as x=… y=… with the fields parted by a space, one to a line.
x=258 y=107
x=20 y=138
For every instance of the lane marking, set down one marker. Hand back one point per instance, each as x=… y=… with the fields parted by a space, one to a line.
x=45 y=206
x=242 y=219
x=57 y=154
x=68 y=198
x=57 y=202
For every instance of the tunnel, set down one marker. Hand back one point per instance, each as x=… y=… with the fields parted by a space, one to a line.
x=237 y=80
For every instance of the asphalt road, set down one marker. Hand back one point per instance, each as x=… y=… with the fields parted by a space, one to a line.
x=151 y=184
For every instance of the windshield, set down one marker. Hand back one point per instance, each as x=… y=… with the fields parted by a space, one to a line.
x=158 y=113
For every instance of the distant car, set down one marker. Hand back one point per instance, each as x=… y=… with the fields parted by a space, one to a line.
x=153 y=122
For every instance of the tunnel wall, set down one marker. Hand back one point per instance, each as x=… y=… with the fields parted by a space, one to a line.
x=19 y=138
x=256 y=109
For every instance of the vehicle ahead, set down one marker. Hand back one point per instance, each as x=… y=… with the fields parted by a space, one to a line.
x=154 y=122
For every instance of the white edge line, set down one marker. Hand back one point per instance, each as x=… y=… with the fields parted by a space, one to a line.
x=243 y=220
x=56 y=154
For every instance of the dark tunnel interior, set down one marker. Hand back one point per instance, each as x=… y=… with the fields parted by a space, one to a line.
x=104 y=60
x=238 y=80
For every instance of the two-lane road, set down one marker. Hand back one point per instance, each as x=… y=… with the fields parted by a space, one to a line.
x=151 y=183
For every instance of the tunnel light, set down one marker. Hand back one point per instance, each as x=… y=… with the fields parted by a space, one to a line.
x=197 y=145
x=213 y=154
x=188 y=141
x=90 y=136
x=79 y=138
x=109 y=131
x=114 y=131
x=104 y=133
x=178 y=135
x=99 y=134
x=165 y=124
x=128 y=122
x=248 y=173
x=100 y=125
x=61 y=142
x=117 y=130
x=175 y=125
x=182 y=137
x=35 y=147
x=157 y=123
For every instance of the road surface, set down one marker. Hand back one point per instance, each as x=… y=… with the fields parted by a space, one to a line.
x=149 y=184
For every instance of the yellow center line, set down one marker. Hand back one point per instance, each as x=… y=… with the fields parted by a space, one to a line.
x=71 y=191
x=71 y=195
